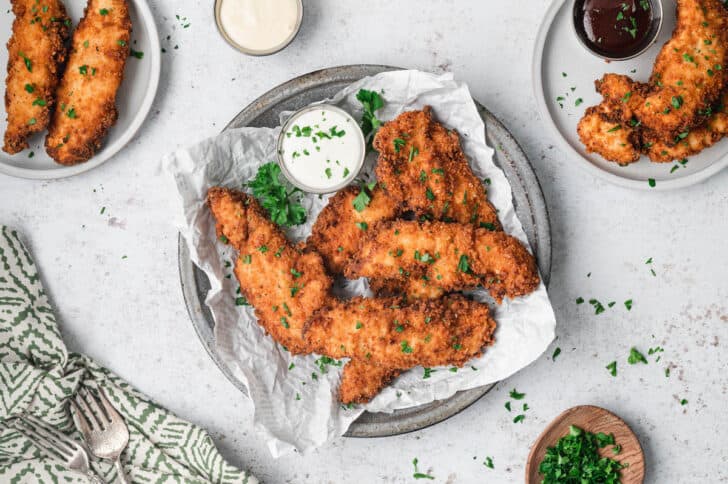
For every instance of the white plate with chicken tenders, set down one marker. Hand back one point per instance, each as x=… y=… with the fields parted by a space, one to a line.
x=659 y=118
x=80 y=80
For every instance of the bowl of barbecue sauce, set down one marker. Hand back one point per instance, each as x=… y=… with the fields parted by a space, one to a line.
x=617 y=29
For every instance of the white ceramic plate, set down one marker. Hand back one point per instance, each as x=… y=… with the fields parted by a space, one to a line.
x=133 y=100
x=559 y=52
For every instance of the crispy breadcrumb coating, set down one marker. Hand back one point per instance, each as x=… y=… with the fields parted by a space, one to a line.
x=86 y=97
x=284 y=285
x=36 y=52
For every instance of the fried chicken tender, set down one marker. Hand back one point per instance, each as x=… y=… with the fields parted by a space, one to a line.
x=340 y=226
x=386 y=332
x=284 y=284
x=688 y=75
x=449 y=256
x=361 y=381
x=87 y=94
x=36 y=52
x=422 y=166
x=613 y=141
x=697 y=139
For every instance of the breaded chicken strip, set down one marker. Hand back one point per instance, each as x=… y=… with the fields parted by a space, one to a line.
x=422 y=166
x=344 y=221
x=697 y=139
x=689 y=72
x=449 y=256
x=383 y=331
x=361 y=381
x=36 y=52
x=614 y=141
x=284 y=285
x=86 y=96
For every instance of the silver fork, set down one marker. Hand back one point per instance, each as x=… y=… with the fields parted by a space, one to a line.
x=102 y=427
x=57 y=445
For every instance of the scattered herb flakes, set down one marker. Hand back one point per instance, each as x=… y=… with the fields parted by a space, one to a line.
x=557 y=352
x=579 y=300
x=136 y=54
x=576 y=455
x=428 y=373
x=362 y=225
x=598 y=306
x=324 y=362
x=612 y=367
x=519 y=418
x=463 y=264
x=291 y=366
x=578 y=101
x=628 y=304
x=516 y=396
x=651 y=182
x=683 y=401
x=508 y=406
x=241 y=301
x=420 y=475
x=667 y=372
x=489 y=463
x=636 y=357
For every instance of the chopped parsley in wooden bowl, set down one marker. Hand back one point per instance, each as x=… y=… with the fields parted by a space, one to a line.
x=586 y=444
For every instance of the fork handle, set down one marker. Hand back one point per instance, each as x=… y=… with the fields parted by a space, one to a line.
x=120 y=472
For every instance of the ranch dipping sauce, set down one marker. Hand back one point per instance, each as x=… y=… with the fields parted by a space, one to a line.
x=259 y=27
x=321 y=149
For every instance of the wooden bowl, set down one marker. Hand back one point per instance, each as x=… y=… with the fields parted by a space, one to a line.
x=592 y=419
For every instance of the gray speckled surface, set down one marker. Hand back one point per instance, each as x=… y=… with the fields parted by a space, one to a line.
x=129 y=313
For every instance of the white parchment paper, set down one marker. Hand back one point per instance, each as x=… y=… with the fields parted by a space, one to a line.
x=293 y=408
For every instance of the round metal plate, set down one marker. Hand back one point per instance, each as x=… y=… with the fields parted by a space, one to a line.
x=527 y=198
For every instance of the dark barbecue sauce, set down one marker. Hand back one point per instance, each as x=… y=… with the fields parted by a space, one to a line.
x=614 y=28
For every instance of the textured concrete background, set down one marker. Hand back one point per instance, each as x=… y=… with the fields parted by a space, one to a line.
x=128 y=313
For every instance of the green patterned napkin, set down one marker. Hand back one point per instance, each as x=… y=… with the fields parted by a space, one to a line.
x=38 y=376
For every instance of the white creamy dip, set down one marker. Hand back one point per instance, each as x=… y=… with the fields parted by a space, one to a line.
x=321 y=149
x=259 y=25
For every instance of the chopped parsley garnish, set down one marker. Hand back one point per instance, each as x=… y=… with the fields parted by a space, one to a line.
x=29 y=88
x=39 y=102
x=136 y=53
x=328 y=172
x=362 y=225
x=628 y=304
x=683 y=401
x=324 y=362
x=295 y=273
x=121 y=43
x=275 y=198
x=104 y=11
x=241 y=301
x=616 y=127
x=406 y=348
x=418 y=474
x=557 y=352
x=428 y=193
x=398 y=144
x=428 y=373
x=489 y=463
x=83 y=70
x=463 y=264
x=508 y=406
x=519 y=418
x=412 y=153
x=247 y=259
x=516 y=396
x=598 y=307
x=677 y=102
x=71 y=113
x=575 y=458
x=361 y=201
x=222 y=237
x=612 y=367
x=636 y=357
x=26 y=60
x=579 y=300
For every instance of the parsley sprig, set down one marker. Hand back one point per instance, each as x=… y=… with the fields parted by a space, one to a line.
x=371 y=102
x=275 y=197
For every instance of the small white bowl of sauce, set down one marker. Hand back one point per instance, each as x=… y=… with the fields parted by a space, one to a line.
x=321 y=149
x=258 y=27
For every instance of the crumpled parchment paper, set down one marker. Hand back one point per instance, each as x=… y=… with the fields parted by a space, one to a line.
x=294 y=408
